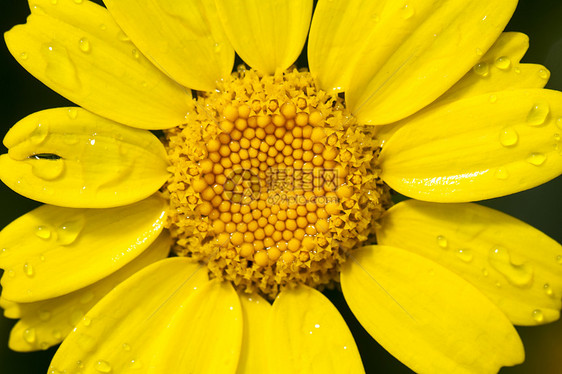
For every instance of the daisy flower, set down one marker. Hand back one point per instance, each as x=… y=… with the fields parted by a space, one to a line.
x=203 y=247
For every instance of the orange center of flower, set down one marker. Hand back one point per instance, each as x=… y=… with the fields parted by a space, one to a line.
x=273 y=182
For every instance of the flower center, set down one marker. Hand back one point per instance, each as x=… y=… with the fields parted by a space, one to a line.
x=273 y=183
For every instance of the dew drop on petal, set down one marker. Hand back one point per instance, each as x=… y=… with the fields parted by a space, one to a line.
x=57 y=334
x=135 y=53
x=493 y=98
x=102 y=366
x=39 y=135
x=29 y=335
x=24 y=56
x=28 y=270
x=44 y=346
x=482 y=69
x=559 y=123
x=217 y=47
x=536 y=159
x=87 y=297
x=407 y=11
x=501 y=174
x=559 y=259
x=518 y=275
x=44 y=315
x=442 y=242
x=479 y=52
x=48 y=169
x=503 y=63
x=126 y=347
x=548 y=290
x=78 y=1
x=72 y=113
x=544 y=74
x=465 y=255
x=43 y=232
x=508 y=137
x=538 y=113
x=84 y=45
x=54 y=2
x=123 y=37
x=69 y=231
x=135 y=364
x=538 y=315
x=87 y=321
x=485 y=272
x=76 y=316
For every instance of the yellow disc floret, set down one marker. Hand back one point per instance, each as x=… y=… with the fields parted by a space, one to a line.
x=273 y=182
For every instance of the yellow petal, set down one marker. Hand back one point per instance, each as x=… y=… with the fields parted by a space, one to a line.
x=476 y=149
x=312 y=334
x=509 y=261
x=499 y=69
x=77 y=49
x=417 y=51
x=198 y=325
x=52 y=251
x=46 y=323
x=71 y=157
x=183 y=38
x=426 y=316
x=256 y=313
x=268 y=35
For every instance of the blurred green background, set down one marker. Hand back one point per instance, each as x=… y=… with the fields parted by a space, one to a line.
x=541 y=207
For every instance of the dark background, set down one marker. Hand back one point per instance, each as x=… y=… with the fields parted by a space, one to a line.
x=21 y=94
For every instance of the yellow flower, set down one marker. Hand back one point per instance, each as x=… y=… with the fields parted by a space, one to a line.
x=271 y=183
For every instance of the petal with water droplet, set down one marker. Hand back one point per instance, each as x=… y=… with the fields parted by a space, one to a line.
x=255 y=310
x=107 y=240
x=183 y=38
x=100 y=75
x=425 y=315
x=505 y=71
x=105 y=165
x=268 y=35
x=415 y=52
x=313 y=334
x=453 y=152
x=182 y=299
x=61 y=310
x=512 y=252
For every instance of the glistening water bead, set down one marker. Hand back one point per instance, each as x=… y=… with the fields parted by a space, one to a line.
x=274 y=182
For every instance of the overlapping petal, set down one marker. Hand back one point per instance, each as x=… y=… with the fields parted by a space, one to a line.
x=46 y=323
x=81 y=160
x=256 y=314
x=268 y=35
x=52 y=251
x=77 y=49
x=183 y=38
x=197 y=318
x=425 y=315
x=402 y=55
x=313 y=334
x=512 y=263
x=477 y=148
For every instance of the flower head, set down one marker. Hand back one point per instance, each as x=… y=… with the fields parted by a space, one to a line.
x=195 y=249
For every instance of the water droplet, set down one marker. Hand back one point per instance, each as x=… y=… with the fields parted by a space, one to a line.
x=442 y=242
x=103 y=366
x=548 y=290
x=517 y=70
x=503 y=63
x=40 y=133
x=57 y=334
x=70 y=139
x=538 y=113
x=135 y=364
x=508 y=137
x=87 y=297
x=80 y=364
x=42 y=257
x=11 y=273
x=559 y=259
x=407 y=11
x=559 y=123
x=557 y=137
x=103 y=27
x=48 y=169
x=87 y=321
x=28 y=270
x=135 y=53
x=126 y=347
x=84 y=45
x=479 y=52
x=536 y=159
x=44 y=315
x=538 y=315
x=43 y=232
x=76 y=316
x=544 y=74
x=54 y=2
x=3 y=251
x=29 y=335
x=72 y=113
x=518 y=275
x=485 y=272
x=69 y=231
x=501 y=174
x=60 y=68
x=44 y=346
x=78 y=1
x=482 y=69
x=217 y=47
x=123 y=37
x=24 y=56
x=493 y=98
x=465 y=255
